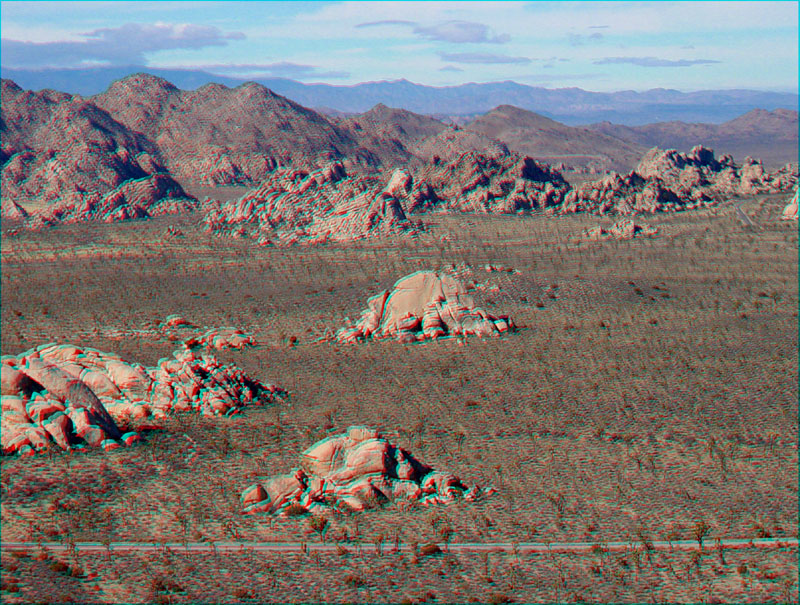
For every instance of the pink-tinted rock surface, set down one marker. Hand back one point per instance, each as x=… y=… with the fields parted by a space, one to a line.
x=355 y=470
x=473 y=182
x=790 y=211
x=424 y=305
x=75 y=162
x=177 y=328
x=71 y=395
x=668 y=181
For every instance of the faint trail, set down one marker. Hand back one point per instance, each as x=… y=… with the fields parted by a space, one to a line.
x=390 y=547
x=743 y=218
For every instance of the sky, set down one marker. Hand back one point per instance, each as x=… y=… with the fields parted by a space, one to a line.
x=600 y=46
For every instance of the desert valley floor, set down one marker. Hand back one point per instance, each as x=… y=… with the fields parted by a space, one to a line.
x=651 y=386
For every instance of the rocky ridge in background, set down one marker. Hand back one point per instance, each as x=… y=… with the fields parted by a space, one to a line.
x=224 y=136
x=668 y=181
x=94 y=169
x=111 y=164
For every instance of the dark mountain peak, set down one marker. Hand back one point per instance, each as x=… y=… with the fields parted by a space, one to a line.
x=514 y=116
x=142 y=84
x=10 y=87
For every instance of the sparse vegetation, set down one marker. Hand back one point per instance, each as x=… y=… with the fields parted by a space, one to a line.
x=576 y=426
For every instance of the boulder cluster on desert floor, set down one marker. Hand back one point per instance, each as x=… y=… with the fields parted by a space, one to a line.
x=355 y=470
x=624 y=228
x=177 y=328
x=296 y=206
x=421 y=306
x=790 y=211
x=74 y=396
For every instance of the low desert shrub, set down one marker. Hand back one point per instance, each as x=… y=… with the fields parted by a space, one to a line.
x=354 y=580
x=430 y=550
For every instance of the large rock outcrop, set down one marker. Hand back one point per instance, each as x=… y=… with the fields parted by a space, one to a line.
x=424 y=305
x=153 y=195
x=667 y=181
x=295 y=206
x=474 y=182
x=72 y=396
x=790 y=211
x=356 y=470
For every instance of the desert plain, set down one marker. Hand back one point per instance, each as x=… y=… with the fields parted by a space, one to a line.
x=649 y=393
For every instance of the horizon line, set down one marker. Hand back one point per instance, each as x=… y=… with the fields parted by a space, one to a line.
x=199 y=70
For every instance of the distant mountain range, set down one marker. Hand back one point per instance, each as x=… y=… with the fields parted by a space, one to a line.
x=571 y=106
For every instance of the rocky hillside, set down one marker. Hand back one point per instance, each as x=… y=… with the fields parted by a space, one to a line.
x=532 y=134
x=225 y=136
x=60 y=150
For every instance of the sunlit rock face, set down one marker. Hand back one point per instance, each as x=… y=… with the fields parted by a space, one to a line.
x=421 y=306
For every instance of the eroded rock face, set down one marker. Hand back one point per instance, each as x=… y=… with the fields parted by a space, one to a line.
x=142 y=198
x=74 y=396
x=473 y=182
x=668 y=181
x=12 y=211
x=355 y=470
x=299 y=207
x=790 y=211
x=424 y=305
x=623 y=229
x=629 y=194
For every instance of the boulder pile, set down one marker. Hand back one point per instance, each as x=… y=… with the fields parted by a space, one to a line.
x=353 y=471
x=176 y=328
x=295 y=206
x=74 y=396
x=625 y=228
x=790 y=211
x=421 y=306
x=153 y=195
x=474 y=182
x=668 y=181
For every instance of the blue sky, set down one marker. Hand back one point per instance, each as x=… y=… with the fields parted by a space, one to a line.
x=601 y=46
